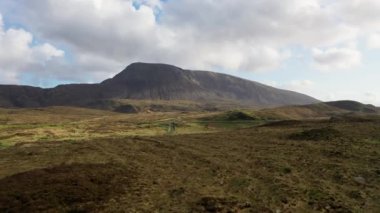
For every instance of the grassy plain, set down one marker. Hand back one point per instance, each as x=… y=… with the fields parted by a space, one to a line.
x=63 y=159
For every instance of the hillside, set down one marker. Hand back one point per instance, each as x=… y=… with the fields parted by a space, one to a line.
x=155 y=82
x=319 y=110
x=354 y=106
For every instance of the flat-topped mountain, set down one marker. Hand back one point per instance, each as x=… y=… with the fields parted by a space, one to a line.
x=155 y=82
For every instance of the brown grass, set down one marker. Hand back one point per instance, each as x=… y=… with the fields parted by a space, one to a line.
x=253 y=169
x=75 y=187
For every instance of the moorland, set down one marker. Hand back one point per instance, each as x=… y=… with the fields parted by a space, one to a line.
x=321 y=157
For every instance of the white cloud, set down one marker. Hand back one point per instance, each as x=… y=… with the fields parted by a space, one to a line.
x=46 y=52
x=329 y=93
x=370 y=97
x=232 y=35
x=103 y=36
x=264 y=58
x=8 y=77
x=111 y=29
x=363 y=14
x=373 y=41
x=151 y=3
x=268 y=22
x=17 y=54
x=363 y=97
x=303 y=86
x=302 y=83
x=336 y=59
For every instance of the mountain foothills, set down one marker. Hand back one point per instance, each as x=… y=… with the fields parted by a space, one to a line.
x=143 y=81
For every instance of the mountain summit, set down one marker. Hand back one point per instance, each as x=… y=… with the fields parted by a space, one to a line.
x=162 y=81
x=155 y=82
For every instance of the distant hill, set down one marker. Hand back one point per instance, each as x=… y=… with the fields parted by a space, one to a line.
x=354 y=106
x=320 y=110
x=145 y=81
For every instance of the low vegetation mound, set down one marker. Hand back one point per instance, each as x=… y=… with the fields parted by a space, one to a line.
x=326 y=133
x=355 y=117
x=221 y=204
x=75 y=187
x=285 y=123
x=237 y=115
x=231 y=116
x=128 y=108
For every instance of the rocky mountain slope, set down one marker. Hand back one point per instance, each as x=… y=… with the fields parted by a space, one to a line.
x=155 y=82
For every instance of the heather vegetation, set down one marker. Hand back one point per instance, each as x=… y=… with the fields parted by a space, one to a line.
x=64 y=159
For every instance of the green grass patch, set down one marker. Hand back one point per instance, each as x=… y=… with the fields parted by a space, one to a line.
x=372 y=141
x=234 y=124
x=239 y=183
x=4 y=145
x=231 y=116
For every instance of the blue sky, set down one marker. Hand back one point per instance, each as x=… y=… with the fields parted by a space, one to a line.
x=327 y=49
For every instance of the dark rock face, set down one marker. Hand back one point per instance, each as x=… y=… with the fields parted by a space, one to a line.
x=155 y=82
x=20 y=96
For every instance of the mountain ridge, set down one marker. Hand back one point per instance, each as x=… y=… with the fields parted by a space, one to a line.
x=148 y=81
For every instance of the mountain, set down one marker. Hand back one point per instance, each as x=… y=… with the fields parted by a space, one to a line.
x=145 y=81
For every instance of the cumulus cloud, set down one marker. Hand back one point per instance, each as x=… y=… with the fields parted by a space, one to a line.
x=269 y=22
x=233 y=35
x=303 y=86
x=336 y=59
x=113 y=28
x=363 y=14
x=373 y=41
x=18 y=54
x=363 y=97
x=103 y=36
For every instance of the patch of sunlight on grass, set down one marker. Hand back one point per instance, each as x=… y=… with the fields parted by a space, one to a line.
x=372 y=141
x=4 y=145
